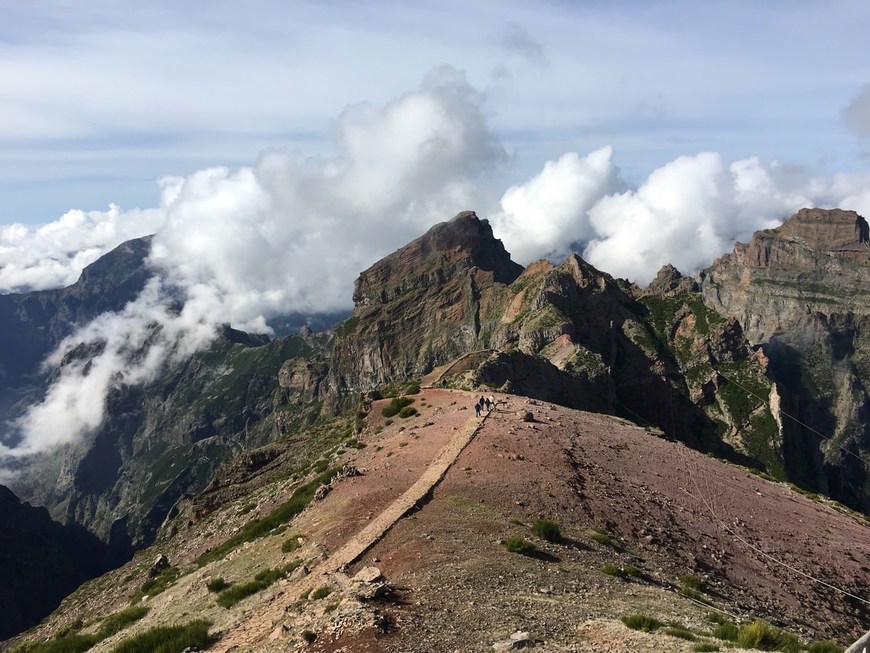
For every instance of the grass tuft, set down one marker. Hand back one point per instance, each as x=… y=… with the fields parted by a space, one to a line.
x=519 y=545
x=642 y=622
x=547 y=529
x=168 y=639
x=281 y=515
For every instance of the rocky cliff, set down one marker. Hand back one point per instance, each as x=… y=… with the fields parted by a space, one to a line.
x=800 y=292
x=566 y=333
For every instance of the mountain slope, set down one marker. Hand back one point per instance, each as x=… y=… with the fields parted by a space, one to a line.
x=41 y=562
x=670 y=518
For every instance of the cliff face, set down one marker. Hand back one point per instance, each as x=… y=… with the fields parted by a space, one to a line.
x=421 y=306
x=566 y=333
x=800 y=293
x=163 y=441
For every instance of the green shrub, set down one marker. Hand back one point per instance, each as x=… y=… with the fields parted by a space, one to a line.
x=547 y=529
x=634 y=572
x=613 y=570
x=824 y=647
x=66 y=644
x=408 y=411
x=229 y=597
x=290 y=544
x=681 y=632
x=641 y=622
x=716 y=618
x=705 y=647
x=762 y=635
x=168 y=639
x=217 y=585
x=153 y=586
x=320 y=593
x=693 y=583
x=726 y=631
x=519 y=545
x=413 y=388
x=601 y=537
x=281 y=515
x=693 y=594
x=396 y=405
x=118 y=621
x=70 y=628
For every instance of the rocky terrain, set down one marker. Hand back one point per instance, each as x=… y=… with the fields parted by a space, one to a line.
x=647 y=526
x=234 y=429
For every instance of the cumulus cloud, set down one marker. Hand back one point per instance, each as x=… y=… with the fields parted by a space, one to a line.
x=241 y=246
x=54 y=255
x=291 y=233
x=548 y=214
x=690 y=211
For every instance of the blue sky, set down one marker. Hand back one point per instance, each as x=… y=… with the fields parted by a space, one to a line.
x=100 y=99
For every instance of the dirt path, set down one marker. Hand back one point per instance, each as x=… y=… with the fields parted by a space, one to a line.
x=260 y=625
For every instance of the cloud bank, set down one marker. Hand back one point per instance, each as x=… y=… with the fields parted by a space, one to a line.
x=291 y=233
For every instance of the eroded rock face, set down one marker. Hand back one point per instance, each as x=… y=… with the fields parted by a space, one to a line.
x=420 y=306
x=800 y=292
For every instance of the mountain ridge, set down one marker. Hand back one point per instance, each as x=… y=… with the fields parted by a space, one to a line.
x=179 y=450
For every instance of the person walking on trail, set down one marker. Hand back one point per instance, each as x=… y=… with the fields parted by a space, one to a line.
x=491 y=401
x=477 y=409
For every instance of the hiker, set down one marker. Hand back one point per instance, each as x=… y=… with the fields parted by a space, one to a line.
x=491 y=402
x=477 y=409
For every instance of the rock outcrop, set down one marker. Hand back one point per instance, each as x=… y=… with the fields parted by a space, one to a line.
x=800 y=293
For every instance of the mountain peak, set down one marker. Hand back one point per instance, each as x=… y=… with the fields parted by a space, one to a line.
x=830 y=229
x=448 y=248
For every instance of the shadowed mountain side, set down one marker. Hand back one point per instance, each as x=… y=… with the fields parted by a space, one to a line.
x=41 y=562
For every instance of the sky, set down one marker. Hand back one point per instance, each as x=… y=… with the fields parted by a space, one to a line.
x=277 y=149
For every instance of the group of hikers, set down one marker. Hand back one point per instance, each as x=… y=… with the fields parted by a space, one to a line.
x=487 y=403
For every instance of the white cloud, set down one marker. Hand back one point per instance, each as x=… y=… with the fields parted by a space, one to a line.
x=291 y=233
x=545 y=216
x=241 y=246
x=54 y=255
x=690 y=211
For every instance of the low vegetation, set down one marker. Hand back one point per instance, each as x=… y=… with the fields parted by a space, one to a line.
x=519 y=545
x=320 y=593
x=168 y=639
x=118 y=621
x=154 y=586
x=283 y=514
x=602 y=537
x=217 y=585
x=396 y=405
x=290 y=544
x=229 y=597
x=70 y=642
x=547 y=529
x=642 y=622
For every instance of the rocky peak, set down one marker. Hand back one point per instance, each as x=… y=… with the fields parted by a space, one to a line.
x=447 y=249
x=831 y=229
x=669 y=281
x=805 y=236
